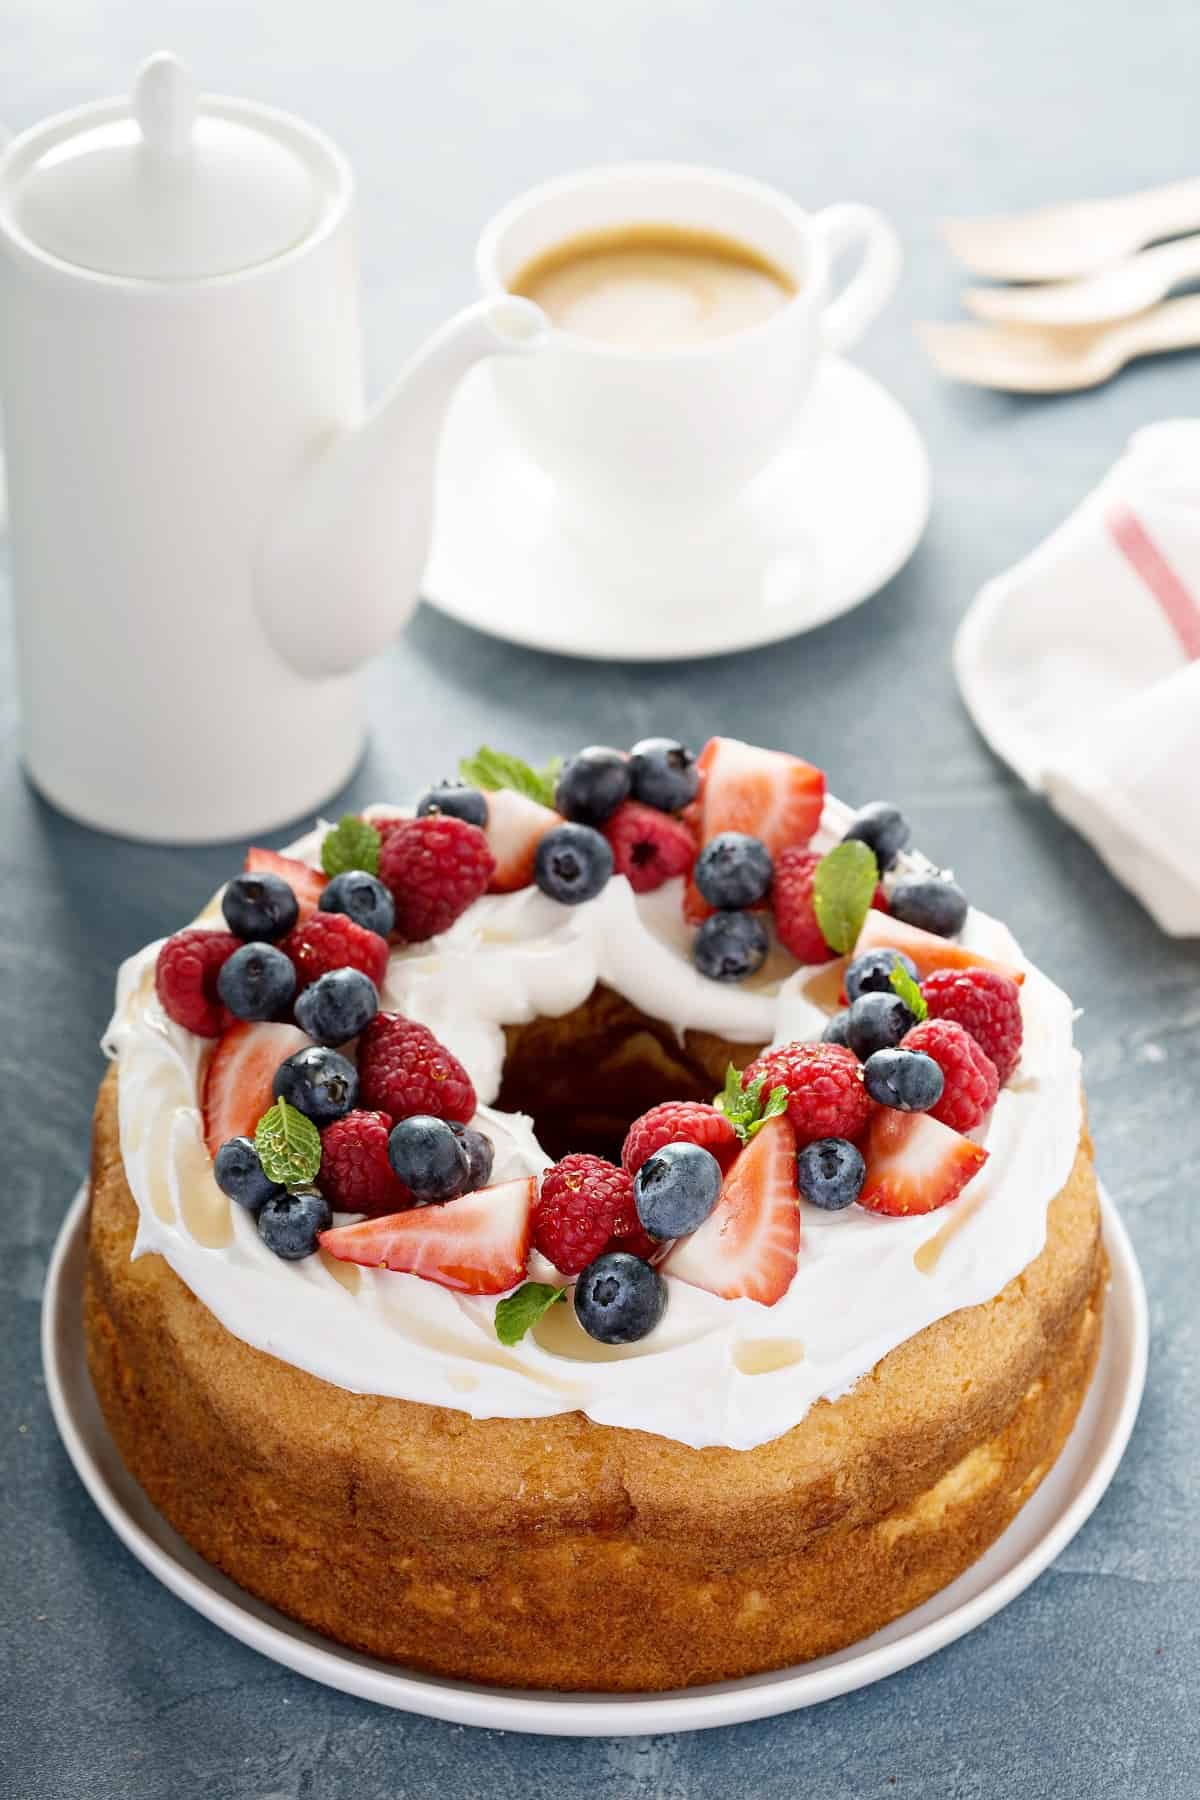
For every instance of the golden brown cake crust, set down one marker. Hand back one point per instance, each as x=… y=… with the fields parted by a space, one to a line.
x=560 y=1553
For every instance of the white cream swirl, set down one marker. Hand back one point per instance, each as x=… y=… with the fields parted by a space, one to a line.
x=732 y=1373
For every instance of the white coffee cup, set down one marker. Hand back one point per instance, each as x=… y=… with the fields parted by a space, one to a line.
x=686 y=427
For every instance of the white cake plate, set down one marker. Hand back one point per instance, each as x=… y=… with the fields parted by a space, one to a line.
x=1035 y=1537
x=825 y=525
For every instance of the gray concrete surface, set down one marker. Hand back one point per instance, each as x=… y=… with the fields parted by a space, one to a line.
x=1086 y=1686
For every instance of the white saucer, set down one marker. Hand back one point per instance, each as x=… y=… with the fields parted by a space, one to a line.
x=831 y=519
x=1034 y=1539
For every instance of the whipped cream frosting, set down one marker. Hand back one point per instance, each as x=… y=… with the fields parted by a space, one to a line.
x=715 y=1372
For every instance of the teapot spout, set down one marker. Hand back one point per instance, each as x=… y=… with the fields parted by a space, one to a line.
x=340 y=567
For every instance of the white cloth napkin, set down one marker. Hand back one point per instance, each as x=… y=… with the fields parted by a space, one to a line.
x=1081 y=667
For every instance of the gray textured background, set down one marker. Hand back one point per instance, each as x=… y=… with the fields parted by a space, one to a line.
x=112 y=1690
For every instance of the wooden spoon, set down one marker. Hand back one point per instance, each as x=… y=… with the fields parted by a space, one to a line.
x=1028 y=360
x=1129 y=287
x=1057 y=243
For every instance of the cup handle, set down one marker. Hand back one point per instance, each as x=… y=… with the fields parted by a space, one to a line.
x=872 y=284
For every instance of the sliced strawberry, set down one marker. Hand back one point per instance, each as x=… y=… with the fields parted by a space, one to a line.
x=928 y=951
x=476 y=1245
x=767 y=793
x=771 y=795
x=516 y=826
x=304 y=882
x=914 y=1163
x=748 y=1246
x=237 y=1081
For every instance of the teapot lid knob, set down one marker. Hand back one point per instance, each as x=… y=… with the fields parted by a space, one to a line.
x=164 y=103
x=167 y=186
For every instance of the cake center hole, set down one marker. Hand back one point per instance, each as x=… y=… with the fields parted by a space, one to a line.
x=585 y=1077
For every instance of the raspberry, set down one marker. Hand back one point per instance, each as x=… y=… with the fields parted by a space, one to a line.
x=985 y=1003
x=826 y=1096
x=435 y=867
x=679 y=1122
x=402 y=1070
x=791 y=897
x=648 y=847
x=629 y=1234
x=333 y=941
x=356 y=1175
x=185 y=979
x=971 y=1082
x=581 y=1199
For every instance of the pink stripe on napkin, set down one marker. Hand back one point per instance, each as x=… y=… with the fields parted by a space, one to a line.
x=1146 y=560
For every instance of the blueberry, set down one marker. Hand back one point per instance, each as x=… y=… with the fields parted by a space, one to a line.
x=884 y=828
x=457 y=799
x=430 y=1159
x=877 y=1022
x=337 y=1006
x=730 y=945
x=317 y=1082
x=908 y=1080
x=592 y=785
x=871 y=973
x=481 y=1154
x=572 y=863
x=240 y=1174
x=289 y=1224
x=835 y=1031
x=830 y=1173
x=733 y=869
x=619 y=1298
x=362 y=898
x=257 y=982
x=676 y=1189
x=933 y=902
x=260 y=906
x=664 y=774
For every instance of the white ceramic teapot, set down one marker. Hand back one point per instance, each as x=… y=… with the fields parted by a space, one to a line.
x=208 y=536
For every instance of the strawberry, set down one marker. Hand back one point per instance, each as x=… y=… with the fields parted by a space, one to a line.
x=304 y=882
x=772 y=796
x=767 y=793
x=648 y=847
x=237 y=1081
x=748 y=1246
x=516 y=826
x=929 y=952
x=476 y=1245
x=914 y=1163
x=792 y=904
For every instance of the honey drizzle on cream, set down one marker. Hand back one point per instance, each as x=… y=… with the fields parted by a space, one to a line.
x=927 y=1255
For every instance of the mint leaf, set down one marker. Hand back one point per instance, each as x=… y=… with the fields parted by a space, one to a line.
x=519 y=1312
x=492 y=769
x=352 y=844
x=288 y=1145
x=904 y=985
x=843 y=888
x=745 y=1107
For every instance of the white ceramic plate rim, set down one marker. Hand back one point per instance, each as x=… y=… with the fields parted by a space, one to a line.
x=582 y=1715
x=747 y=626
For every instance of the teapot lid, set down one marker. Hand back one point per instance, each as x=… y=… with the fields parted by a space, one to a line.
x=168 y=190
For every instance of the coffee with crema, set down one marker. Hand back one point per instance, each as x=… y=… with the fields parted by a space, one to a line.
x=653 y=287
